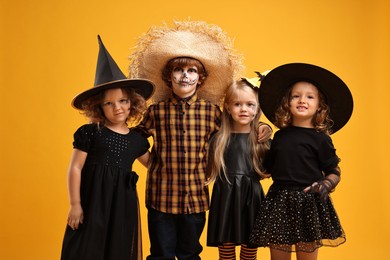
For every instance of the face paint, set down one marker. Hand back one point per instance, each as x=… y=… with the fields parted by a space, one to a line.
x=185 y=75
x=243 y=108
x=184 y=80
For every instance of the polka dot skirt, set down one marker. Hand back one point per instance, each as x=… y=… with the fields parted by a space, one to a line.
x=291 y=220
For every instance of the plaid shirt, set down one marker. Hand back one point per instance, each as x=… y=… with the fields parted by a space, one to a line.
x=181 y=132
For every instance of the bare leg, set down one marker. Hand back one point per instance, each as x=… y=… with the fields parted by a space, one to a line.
x=307 y=256
x=280 y=255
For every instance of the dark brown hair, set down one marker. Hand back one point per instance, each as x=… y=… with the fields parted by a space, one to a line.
x=182 y=62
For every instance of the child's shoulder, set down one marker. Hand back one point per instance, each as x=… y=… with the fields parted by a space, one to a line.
x=205 y=101
x=207 y=105
x=88 y=129
x=85 y=135
x=303 y=133
x=137 y=132
x=89 y=126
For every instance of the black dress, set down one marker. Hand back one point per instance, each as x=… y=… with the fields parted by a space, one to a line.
x=290 y=219
x=234 y=205
x=110 y=230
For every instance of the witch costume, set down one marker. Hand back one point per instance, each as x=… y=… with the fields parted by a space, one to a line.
x=290 y=219
x=111 y=227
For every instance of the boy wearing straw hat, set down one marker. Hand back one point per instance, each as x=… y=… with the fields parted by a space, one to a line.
x=191 y=64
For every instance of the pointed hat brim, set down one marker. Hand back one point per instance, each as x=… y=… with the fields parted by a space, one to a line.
x=143 y=87
x=108 y=76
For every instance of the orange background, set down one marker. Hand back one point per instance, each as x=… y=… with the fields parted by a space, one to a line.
x=48 y=54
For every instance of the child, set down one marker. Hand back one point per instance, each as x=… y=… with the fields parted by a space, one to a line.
x=191 y=64
x=307 y=103
x=103 y=221
x=235 y=163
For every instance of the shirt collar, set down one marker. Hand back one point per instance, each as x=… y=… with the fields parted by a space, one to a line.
x=189 y=100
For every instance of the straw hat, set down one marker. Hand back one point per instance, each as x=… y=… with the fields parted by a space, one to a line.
x=108 y=76
x=277 y=81
x=195 y=39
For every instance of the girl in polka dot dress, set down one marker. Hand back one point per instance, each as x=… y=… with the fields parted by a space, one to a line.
x=307 y=103
x=103 y=220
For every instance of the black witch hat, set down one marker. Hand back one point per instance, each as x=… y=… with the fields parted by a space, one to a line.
x=278 y=80
x=108 y=76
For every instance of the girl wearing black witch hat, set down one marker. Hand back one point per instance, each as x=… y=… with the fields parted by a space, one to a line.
x=307 y=103
x=103 y=220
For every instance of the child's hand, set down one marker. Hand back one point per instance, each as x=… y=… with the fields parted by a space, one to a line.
x=320 y=188
x=75 y=216
x=265 y=132
x=324 y=186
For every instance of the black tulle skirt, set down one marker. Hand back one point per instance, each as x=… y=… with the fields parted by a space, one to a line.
x=291 y=220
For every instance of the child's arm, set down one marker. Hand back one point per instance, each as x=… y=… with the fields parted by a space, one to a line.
x=145 y=127
x=75 y=215
x=265 y=132
x=326 y=185
x=143 y=159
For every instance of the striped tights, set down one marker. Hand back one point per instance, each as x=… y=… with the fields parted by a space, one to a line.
x=228 y=252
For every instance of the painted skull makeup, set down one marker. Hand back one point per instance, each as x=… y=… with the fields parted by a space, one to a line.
x=185 y=80
x=185 y=75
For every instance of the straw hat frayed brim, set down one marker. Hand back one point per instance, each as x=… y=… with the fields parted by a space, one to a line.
x=199 y=40
x=278 y=80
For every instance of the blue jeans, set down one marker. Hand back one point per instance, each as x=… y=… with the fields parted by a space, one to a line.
x=175 y=235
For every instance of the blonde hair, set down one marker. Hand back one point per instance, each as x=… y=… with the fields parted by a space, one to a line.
x=321 y=120
x=216 y=164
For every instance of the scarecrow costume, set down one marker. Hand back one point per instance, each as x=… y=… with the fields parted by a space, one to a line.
x=181 y=130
